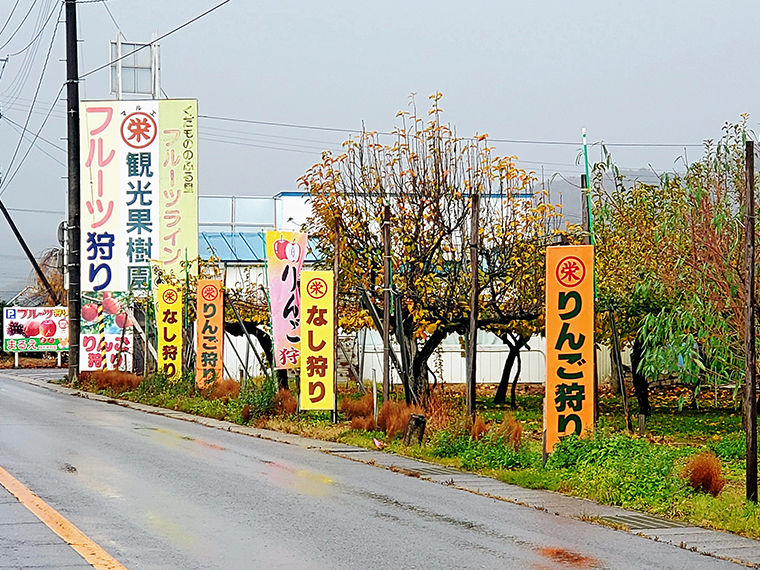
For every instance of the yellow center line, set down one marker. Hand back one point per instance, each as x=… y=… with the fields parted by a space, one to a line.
x=74 y=537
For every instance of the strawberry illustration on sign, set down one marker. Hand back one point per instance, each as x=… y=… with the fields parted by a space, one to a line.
x=286 y=250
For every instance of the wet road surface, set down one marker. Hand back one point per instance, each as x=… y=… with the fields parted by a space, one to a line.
x=161 y=493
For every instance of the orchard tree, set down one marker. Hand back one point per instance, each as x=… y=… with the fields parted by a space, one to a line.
x=638 y=241
x=427 y=176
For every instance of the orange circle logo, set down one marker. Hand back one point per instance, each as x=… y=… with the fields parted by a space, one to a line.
x=209 y=292
x=170 y=296
x=316 y=288
x=570 y=271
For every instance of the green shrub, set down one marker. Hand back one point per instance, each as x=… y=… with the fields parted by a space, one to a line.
x=259 y=398
x=732 y=448
x=490 y=452
x=621 y=470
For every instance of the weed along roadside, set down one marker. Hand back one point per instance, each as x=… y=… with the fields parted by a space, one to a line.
x=689 y=467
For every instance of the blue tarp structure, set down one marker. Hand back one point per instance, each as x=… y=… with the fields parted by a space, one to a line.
x=236 y=247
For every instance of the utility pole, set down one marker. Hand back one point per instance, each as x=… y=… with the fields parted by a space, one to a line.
x=386 y=303
x=472 y=345
x=72 y=115
x=750 y=397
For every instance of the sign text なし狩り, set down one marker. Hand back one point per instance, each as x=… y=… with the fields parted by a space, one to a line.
x=318 y=342
x=169 y=324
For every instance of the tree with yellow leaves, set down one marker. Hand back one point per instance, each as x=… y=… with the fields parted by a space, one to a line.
x=426 y=174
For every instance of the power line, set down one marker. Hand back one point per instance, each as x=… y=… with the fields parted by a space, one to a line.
x=178 y=28
x=4 y=183
x=225 y=141
x=288 y=125
x=118 y=28
x=248 y=139
x=9 y=17
x=13 y=35
x=34 y=39
x=39 y=148
x=511 y=141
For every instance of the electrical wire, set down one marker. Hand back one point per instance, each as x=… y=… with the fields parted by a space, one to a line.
x=5 y=25
x=20 y=25
x=115 y=23
x=34 y=39
x=4 y=183
x=15 y=87
x=15 y=124
x=39 y=148
x=178 y=28
x=225 y=141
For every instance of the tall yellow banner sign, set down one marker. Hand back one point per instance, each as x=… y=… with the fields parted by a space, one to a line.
x=178 y=200
x=210 y=326
x=169 y=321
x=317 y=341
x=569 y=399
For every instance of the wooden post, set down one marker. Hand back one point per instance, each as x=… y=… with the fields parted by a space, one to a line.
x=750 y=397
x=472 y=345
x=617 y=355
x=386 y=303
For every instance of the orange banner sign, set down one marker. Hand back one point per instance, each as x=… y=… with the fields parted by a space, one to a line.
x=317 y=341
x=569 y=399
x=210 y=327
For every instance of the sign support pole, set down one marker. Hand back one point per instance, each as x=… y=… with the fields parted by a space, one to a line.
x=750 y=395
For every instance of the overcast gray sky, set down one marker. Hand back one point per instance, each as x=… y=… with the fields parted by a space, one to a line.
x=656 y=72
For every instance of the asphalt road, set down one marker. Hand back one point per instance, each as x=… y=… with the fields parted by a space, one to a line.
x=162 y=493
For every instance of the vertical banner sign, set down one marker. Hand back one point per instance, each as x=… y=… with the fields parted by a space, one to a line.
x=210 y=327
x=569 y=398
x=178 y=200
x=139 y=190
x=317 y=347
x=285 y=254
x=106 y=332
x=169 y=321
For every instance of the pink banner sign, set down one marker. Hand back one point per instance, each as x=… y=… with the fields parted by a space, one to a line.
x=285 y=255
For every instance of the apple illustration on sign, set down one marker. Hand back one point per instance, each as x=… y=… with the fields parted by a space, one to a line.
x=47 y=328
x=31 y=328
x=110 y=305
x=122 y=320
x=286 y=250
x=90 y=312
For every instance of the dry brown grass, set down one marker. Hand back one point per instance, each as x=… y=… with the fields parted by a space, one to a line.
x=357 y=408
x=116 y=380
x=245 y=413
x=394 y=417
x=223 y=390
x=366 y=423
x=512 y=430
x=704 y=473
x=285 y=403
x=479 y=428
x=442 y=411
